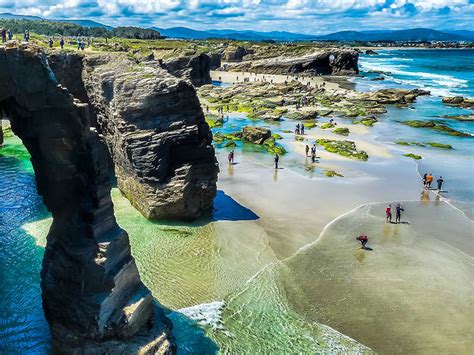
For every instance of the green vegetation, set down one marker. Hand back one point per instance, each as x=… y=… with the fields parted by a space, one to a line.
x=309 y=125
x=214 y=121
x=370 y=121
x=276 y=136
x=342 y=131
x=230 y=144
x=410 y=143
x=402 y=143
x=273 y=147
x=414 y=156
x=55 y=28
x=440 y=145
x=344 y=148
x=299 y=138
x=327 y=125
x=332 y=173
x=437 y=127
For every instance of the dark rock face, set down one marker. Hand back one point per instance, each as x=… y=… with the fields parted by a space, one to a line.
x=195 y=69
x=235 y=54
x=157 y=135
x=214 y=60
x=327 y=62
x=93 y=297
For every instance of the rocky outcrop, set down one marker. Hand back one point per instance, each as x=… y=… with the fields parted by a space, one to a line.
x=156 y=133
x=459 y=101
x=235 y=54
x=256 y=135
x=215 y=60
x=93 y=298
x=393 y=96
x=326 y=62
x=194 y=68
x=67 y=67
x=371 y=52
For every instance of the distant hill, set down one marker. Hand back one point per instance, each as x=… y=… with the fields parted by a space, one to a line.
x=83 y=23
x=86 y=23
x=7 y=15
x=414 y=34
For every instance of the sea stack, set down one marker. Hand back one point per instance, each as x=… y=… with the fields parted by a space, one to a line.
x=155 y=130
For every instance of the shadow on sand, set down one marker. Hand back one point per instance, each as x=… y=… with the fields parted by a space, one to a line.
x=227 y=209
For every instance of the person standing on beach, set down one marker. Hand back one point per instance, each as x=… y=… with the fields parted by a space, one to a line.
x=398 y=214
x=388 y=213
x=276 y=160
x=306 y=149
x=440 y=183
x=61 y=42
x=363 y=240
x=429 y=180
x=302 y=129
x=425 y=177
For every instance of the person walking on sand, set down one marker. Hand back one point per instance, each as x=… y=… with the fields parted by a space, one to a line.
x=440 y=183
x=363 y=240
x=388 y=213
x=276 y=160
x=313 y=155
x=425 y=177
x=306 y=149
x=429 y=180
x=297 y=130
x=302 y=129
x=398 y=214
x=229 y=158
x=61 y=42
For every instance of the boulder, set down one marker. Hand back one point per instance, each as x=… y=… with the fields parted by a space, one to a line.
x=393 y=96
x=459 y=101
x=371 y=52
x=154 y=127
x=256 y=135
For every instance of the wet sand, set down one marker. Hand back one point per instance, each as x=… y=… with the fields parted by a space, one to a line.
x=239 y=77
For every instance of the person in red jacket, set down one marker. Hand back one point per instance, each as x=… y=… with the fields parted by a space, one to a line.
x=388 y=213
x=363 y=240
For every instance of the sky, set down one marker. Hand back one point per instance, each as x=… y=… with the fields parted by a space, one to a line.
x=301 y=16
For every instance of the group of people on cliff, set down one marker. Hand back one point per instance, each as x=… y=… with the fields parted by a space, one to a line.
x=6 y=34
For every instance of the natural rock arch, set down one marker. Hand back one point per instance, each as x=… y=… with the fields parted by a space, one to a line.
x=92 y=293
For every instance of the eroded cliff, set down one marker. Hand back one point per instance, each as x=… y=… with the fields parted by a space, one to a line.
x=93 y=298
x=154 y=127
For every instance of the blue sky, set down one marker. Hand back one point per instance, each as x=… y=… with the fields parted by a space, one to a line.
x=303 y=16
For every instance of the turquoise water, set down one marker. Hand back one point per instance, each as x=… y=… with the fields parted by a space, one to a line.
x=444 y=73
x=192 y=265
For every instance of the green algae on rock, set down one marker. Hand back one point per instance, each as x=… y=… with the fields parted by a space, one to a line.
x=332 y=173
x=439 y=145
x=327 y=125
x=368 y=121
x=343 y=147
x=342 y=131
x=277 y=136
x=413 y=156
x=436 y=127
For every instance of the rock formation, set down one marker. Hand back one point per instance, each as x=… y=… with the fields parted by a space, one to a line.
x=393 y=96
x=194 y=68
x=93 y=298
x=156 y=133
x=256 y=135
x=235 y=54
x=459 y=101
x=324 y=62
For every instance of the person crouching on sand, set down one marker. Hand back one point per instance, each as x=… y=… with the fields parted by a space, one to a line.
x=363 y=240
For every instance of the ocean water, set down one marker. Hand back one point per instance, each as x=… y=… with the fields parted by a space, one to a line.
x=443 y=73
x=225 y=287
